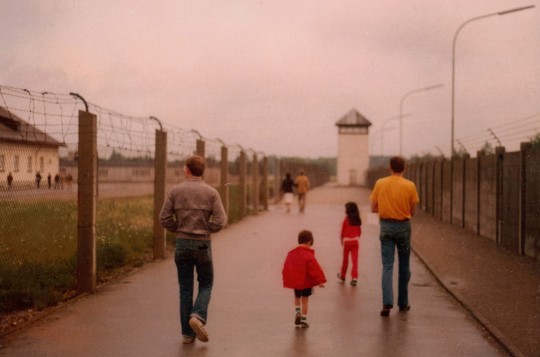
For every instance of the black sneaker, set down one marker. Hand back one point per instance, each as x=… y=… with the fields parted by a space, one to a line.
x=405 y=308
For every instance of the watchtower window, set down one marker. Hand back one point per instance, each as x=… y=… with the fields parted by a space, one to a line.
x=355 y=130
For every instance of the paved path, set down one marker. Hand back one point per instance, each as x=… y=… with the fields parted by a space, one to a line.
x=251 y=314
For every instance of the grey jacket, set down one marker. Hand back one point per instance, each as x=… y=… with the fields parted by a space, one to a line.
x=193 y=209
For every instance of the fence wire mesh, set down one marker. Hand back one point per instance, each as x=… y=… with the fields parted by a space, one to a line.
x=39 y=192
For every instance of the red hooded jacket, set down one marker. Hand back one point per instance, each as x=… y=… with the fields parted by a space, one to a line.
x=301 y=270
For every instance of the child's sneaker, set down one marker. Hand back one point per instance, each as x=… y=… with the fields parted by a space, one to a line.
x=298 y=319
x=342 y=280
x=353 y=282
x=303 y=324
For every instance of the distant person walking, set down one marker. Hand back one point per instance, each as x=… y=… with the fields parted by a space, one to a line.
x=49 y=180
x=38 y=179
x=302 y=272
x=287 y=188
x=351 y=229
x=395 y=199
x=302 y=187
x=10 y=181
x=193 y=210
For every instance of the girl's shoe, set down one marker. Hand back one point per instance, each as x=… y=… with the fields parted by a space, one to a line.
x=340 y=278
x=353 y=282
x=303 y=324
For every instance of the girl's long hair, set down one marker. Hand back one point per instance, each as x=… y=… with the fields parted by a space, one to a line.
x=353 y=215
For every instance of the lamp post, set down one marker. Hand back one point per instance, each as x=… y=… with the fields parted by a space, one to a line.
x=401 y=111
x=383 y=128
x=500 y=13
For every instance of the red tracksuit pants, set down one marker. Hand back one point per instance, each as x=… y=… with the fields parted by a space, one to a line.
x=350 y=248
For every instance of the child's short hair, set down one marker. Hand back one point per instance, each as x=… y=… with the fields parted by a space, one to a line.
x=305 y=237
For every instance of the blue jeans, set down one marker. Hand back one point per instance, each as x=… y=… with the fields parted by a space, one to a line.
x=194 y=255
x=395 y=234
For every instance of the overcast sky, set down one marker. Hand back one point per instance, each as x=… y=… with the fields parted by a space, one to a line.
x=276 y=75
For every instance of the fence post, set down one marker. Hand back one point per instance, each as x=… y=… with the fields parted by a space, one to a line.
x=479 y=155
x=224 y=177
x=255 y=169
x=524 y=148
x=86 y=203
x=265 y=183
x=243 y=184
x=499 y=152
x=464 y=160
x=277 y=180
x=200 y=148
x=160 y=175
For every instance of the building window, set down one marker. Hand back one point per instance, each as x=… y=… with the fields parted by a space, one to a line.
x=16 y=163
x=103 y=172
x=29 y=164
x=2 y=163
x=141 y=172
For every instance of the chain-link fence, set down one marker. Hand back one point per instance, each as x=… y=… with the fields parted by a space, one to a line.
x=83 y=186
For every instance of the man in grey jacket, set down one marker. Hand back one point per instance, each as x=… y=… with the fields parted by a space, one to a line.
x=193 y=210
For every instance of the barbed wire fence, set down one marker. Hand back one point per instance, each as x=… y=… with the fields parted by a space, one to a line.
x=510 y=134
x=43 y=190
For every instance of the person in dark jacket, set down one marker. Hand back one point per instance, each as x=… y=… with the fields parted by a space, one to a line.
x=287 y=188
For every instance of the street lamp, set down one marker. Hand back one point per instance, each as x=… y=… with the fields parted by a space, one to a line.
x=505 y=12
x=401 y=111
x=383 y=126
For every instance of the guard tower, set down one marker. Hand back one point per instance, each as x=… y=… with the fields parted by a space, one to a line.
x=353 y=149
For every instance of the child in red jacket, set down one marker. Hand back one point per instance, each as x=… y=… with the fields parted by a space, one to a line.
x=302 y=272
x=351 y=229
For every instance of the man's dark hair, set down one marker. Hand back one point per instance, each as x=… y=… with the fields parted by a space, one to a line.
x=305 y=237
x=196 y=165
x=397 y=164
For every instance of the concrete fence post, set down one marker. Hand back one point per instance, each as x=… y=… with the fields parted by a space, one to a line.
x=499 y=152
x=524 y=148
x=86 y=203
x=464 y=160
x=160 y=169
x=224 y=177
x=265 y=183
x=255 y=173
x=277 y=180
x=243 y=184
x=200 y=148
x=479 y=156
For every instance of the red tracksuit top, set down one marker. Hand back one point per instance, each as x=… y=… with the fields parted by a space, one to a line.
x=348 y=231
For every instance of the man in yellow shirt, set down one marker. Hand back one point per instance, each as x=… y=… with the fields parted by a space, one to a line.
x=302 y=186
x=394 y=198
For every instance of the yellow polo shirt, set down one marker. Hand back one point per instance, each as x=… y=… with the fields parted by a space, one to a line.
x=394 y=196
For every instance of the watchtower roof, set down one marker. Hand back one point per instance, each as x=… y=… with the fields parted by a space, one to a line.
x=353 y=118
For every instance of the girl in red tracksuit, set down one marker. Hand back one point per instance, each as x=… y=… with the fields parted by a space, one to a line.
x=351 y=229
x=302 y=272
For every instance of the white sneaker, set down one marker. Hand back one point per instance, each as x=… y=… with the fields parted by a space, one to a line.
x=199 y=329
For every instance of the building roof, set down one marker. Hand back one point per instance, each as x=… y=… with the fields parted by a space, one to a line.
x=15 y=129
x=353 y=118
